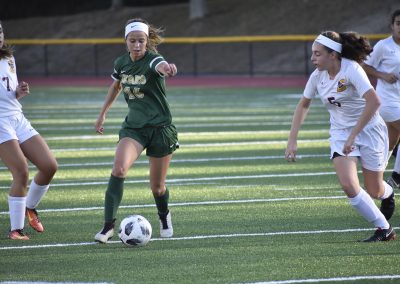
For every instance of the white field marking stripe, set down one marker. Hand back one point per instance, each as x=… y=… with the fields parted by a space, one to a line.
x=197 y=134
x=197 y=145
x=194 y=203
x=179 y=180
x=336 y=279
x=202 y=134
x=191 y=160
x=180 y=126
x=203 y=237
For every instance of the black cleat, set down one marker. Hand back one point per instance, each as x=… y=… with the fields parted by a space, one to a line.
x=392 y=182
x=382 y=235
x=106 y=233
x=387 y=206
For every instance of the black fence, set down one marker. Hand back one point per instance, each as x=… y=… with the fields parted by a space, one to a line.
x=279 y=55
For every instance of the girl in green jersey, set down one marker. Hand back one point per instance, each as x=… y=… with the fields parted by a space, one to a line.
x=139 y=74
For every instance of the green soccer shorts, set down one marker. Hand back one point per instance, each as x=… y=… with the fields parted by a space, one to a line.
x=159 y=141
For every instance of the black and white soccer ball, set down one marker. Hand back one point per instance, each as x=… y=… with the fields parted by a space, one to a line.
x=135 y=230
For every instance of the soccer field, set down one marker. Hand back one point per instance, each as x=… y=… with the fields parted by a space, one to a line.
x=241 y=213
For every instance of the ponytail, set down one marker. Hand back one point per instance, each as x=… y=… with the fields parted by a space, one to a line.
x=354 y=46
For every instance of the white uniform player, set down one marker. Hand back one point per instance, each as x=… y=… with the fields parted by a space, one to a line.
x=19 y=141
x=357 y=131
x=13 y=124
x=384 y=64
x=386 y=58
x=342 y=96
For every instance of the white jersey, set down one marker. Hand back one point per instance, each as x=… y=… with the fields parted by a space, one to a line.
x=343 y=95
x=386 y=58
x=9 y=104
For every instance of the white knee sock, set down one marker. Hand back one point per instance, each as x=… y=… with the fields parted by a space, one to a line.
x=388 y=191
x=364 y=204
x=397 y=162
x=16 y=207
x=35 y=194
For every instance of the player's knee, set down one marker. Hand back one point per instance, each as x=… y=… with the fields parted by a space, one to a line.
x=51 y=169
x=158 y=189
x=119 y=171
x=21 y=177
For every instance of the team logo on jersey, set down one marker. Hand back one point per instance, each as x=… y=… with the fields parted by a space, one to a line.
x=341 y=85
x=133 y=79
x=11 y=65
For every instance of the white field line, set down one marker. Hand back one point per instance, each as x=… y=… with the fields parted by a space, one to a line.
x=181 y=180
x=191 y=180
x=200 y=237
x=335 y=279
x=185 y=145
x=182 y=126
x=196 y=203
x=189 y=134
x=194 y=145
x=199 y=160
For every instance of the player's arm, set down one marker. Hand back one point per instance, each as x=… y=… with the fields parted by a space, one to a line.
x=112 y=94
x=388 y=77
x=298 y=118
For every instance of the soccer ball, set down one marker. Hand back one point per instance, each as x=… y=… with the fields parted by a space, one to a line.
x=135 y=230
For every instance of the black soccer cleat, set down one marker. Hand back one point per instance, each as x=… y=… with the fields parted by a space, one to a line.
x=387 y=206
x=106 y=233
x=393 y=183
x=382 y=235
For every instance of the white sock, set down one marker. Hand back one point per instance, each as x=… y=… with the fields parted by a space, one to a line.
x=388 y=191
x=16 y=207
x=35 y=194
x=397 y=162
x=364 y=204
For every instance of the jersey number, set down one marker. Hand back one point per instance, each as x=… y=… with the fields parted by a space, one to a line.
x=8 y=82
x=331 y=100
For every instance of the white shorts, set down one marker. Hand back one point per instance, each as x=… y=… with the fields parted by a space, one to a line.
x=390 y=113
x=371 y=146
x=16 y=127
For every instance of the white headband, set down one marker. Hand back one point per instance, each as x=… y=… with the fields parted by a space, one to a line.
x=326 y=41
x=136 y=26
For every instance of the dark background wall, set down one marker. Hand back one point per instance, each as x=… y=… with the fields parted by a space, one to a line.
x=224 y=18
x=17 y=9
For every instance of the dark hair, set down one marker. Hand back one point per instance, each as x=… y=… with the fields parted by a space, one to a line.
x=354 y=46
x=6 y=50
x=155 y=37
x=394 y=15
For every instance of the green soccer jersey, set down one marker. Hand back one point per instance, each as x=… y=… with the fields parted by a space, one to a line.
x=144 y=90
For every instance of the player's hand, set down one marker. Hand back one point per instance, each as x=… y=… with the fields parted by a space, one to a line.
x=22 y=90
x=98 y=126
x=290 y=153
x=348 y=146
x=167 y=69
x=390 y=78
